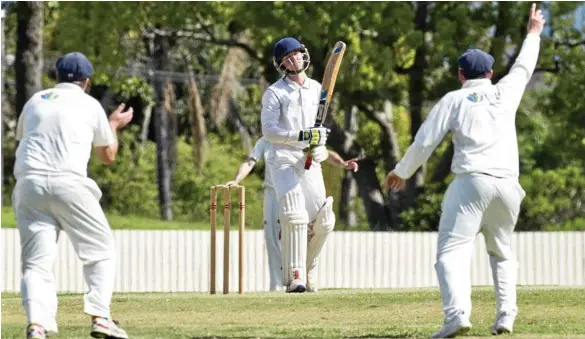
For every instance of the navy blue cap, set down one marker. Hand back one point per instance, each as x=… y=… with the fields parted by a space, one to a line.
x=475 y=62
x=285 y=46
x=74 y=67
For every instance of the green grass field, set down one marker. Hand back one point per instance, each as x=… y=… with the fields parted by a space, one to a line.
x=544 y=313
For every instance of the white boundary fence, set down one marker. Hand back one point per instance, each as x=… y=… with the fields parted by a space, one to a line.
x=169 y=261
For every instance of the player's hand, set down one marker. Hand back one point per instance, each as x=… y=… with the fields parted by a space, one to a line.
x=394 y=182
x=316 y=136
x=352 y=165
x=119 y=118
x=232 y=183
x=319 y=154
x=535 y=21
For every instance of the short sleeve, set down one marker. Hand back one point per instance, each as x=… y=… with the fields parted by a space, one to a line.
x=259 y=149
x=103 y=135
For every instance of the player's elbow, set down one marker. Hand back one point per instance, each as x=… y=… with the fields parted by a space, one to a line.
x=106 y=154
x=268 y=133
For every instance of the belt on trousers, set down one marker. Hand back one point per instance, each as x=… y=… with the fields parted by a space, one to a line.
x=490 y=175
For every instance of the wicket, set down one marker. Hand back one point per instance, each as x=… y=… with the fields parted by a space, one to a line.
x=227 y=207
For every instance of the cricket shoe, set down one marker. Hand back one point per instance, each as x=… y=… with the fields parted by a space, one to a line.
x=311 y=285
x=107 y=329
x=504 y=324
x=34 y=331
x=458 y=326
x=296 y=286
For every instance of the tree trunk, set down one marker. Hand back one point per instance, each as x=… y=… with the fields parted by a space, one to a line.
x=348 y=185
x=173 y=127
x=3 y=101
x=240 y=124
x=416 y=96
x=29 y=51
x=369 y=188
x=391 y=153
x=198 y=128
x=161 y=121
x=145 y=124
x=233 y=66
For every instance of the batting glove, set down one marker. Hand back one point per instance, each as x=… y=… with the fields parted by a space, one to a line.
x=320 y=154
x=316 y=136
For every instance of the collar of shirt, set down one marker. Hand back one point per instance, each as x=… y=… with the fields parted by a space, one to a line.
x=295 y=85
x=68 y=85
x=476 y=83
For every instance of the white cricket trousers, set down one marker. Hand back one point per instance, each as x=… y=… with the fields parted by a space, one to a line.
x=477 y=203
x=44 y=205
x=272 y=238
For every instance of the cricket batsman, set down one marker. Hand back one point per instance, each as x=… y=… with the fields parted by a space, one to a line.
x=56 y=131
x=485 y=195
x=288 y=106
x=271 y=210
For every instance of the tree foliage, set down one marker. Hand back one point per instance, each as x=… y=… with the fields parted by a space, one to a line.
x=401 y=59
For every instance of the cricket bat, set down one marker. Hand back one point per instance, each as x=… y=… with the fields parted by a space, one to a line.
x=327 y=86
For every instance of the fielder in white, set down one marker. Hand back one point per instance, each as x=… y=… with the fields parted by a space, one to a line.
x=56 y=131
x=485 y=195
x=289 y=108
x=271 y=211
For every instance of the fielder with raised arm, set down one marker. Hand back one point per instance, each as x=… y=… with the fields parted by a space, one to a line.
x=271 y=211
x=56 y=131
x=289 y=106
x=485 y=195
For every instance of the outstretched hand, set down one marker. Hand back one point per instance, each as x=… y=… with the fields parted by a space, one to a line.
x=394 y=182
x=352 y=165
x=119 y=118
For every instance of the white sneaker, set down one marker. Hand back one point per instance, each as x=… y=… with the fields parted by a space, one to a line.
x=296 y=286
x=311 y=288
x=34 y=331
x=311 y=285
x=107 y=328
x=504 y=324
x=458 y=326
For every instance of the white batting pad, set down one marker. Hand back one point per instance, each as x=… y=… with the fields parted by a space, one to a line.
x=322 y=227
x=294 y=220
x=292 y=208
x=294 y=252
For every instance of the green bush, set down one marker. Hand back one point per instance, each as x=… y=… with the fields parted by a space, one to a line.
x=555 y=201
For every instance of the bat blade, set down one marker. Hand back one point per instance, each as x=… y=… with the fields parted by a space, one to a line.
x=328 y=82
x=327 y=86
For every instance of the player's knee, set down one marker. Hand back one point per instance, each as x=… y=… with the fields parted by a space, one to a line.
x=325 y=218
x=292 y=209
x=445 y=263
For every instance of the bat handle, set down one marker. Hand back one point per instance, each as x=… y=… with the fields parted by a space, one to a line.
x=309 y=160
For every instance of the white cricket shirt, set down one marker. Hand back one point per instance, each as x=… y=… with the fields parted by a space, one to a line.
x=288 y=108
x=482 y=118
x=56 y=131
x=260 y=151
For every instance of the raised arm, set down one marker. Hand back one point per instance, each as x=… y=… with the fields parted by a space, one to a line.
x=512 y=86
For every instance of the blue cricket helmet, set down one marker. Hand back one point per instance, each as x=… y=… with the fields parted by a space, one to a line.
x=285 y=46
